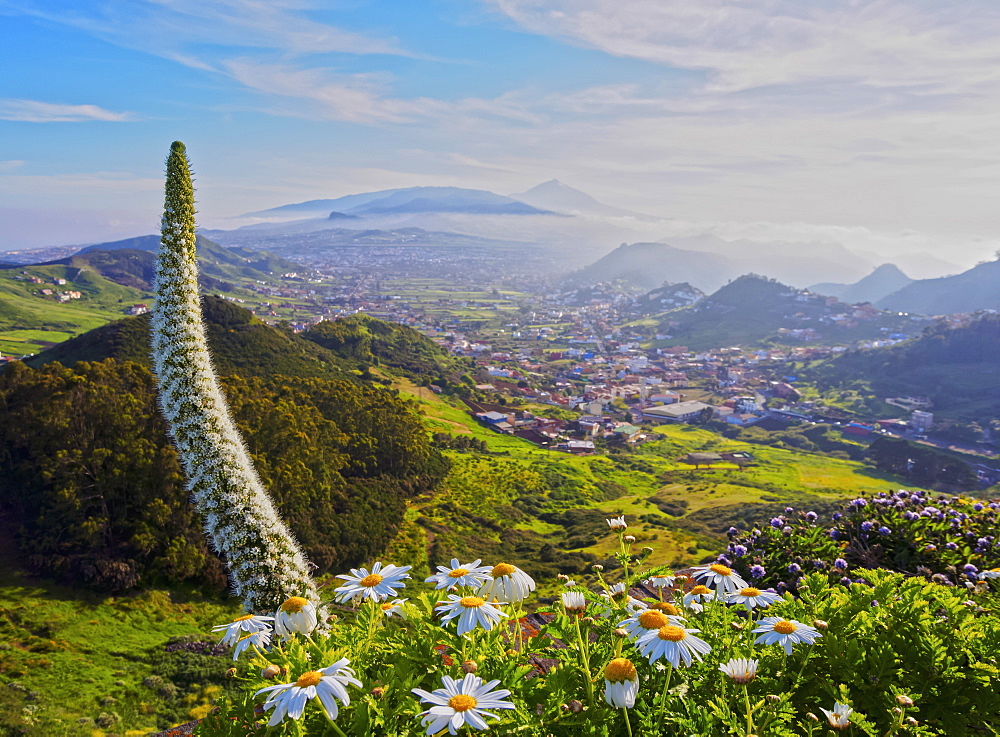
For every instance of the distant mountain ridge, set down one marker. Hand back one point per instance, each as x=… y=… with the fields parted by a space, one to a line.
x=882 y=282
x=972 y=290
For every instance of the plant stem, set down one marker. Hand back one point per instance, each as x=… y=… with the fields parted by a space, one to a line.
x=585 y=661
x=628 y=724
x=663 y=696
x=746 y=699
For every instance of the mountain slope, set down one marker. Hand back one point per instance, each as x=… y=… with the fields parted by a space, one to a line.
x=555 y=196
x=975 y=289
x=650 y=265
x=882 y=282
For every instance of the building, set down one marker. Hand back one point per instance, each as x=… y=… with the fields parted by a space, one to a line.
x=680 y=412
x=921 y=421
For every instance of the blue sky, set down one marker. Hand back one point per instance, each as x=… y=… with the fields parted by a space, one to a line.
x=869 y=123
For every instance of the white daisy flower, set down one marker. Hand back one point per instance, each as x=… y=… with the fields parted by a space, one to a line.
x=470 y=574
x=259 y=639
x=240 y=626
x=617 y=523
x=741 y=670
x=840 y=717
x=472 y=612
x=673 y=644
x=621 y=683
x=751 y=597
x=719 y=577
x=785 y=632
x=295 y=615
x=992 y=573
x=328 y=684
x=694 y=598
x=461 y=703
x=393 y=608
x=616 y=595
x=574 y=602
x=380 y=584
x=650 y=619
x=660 y=582
x=509 y=584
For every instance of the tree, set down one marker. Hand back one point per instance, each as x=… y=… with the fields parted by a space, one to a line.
x=265 y=563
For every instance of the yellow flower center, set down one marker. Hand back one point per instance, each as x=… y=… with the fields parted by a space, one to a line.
x=294 y=605
x=674 y=634
x=386 y=606
x=666 y=607
x=721 y=569
x=471 y=601
x=503 y=569
x=701 y=590
x=244 y=618
x=749 y=591
x=462 y=702
x=784 y=627
x=372 y=579
x=458 y=573
x=620 y=669
x=309 y=678
x=653 y=620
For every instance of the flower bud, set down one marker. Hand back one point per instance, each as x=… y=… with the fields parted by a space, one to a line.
x=629 y=538
x=512 y=652
x=588 y=620
x=574 y=706
x=897 y=711
x=647 y=551
x=469 y=666
x=597 y=567
x=736 y=625
x=773 y=698
x=270 y=671
x=620 y=632
x=820 y=624
x=912 y=722
x=812 y=717
x=903 y=700
x=231 y=673
x=378 y=692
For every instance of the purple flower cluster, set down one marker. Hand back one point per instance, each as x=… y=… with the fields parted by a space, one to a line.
x=947 y=539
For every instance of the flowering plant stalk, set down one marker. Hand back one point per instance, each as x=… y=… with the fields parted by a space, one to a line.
x=265 y=563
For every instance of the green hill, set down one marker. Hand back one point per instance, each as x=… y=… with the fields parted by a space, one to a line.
x=972 y=290
x=369 y=340
x=340 y=456
x=240 y=344
x=754 y=310
x=958 y=368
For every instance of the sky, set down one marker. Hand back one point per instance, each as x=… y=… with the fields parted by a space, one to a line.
x=871 y=123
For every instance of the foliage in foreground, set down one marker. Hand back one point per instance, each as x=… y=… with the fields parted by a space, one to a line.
x=905 y=655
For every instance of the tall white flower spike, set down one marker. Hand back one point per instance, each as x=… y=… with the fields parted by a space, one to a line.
x=265 y=563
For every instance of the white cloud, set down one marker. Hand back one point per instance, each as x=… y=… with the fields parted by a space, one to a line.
x=922 y=45
x=35 y=111
x=10 y=165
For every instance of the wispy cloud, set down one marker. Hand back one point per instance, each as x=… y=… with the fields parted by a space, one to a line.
x=10 y=165
x=172 y=28
x=36 y=111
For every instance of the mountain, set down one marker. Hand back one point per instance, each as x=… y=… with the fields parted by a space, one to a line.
x=650 y=265
x=555 y=196
x=882 y=282
x=406 y=201
x=975 y=289
x=798 y=263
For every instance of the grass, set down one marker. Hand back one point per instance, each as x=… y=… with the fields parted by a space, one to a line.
x=75 y=655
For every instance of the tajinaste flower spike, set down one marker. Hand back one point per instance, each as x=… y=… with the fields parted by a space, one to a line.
x=265 y=563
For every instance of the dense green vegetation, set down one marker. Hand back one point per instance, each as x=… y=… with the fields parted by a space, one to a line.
x=956 y=367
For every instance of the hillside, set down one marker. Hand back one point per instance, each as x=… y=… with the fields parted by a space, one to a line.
x=752 y=310
x=339 y=455
x=975 y=289
x=650 y=265
x=957 y=368
x=214 y=261
x=879 y=284
x=241 y=344
x=667 y=297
